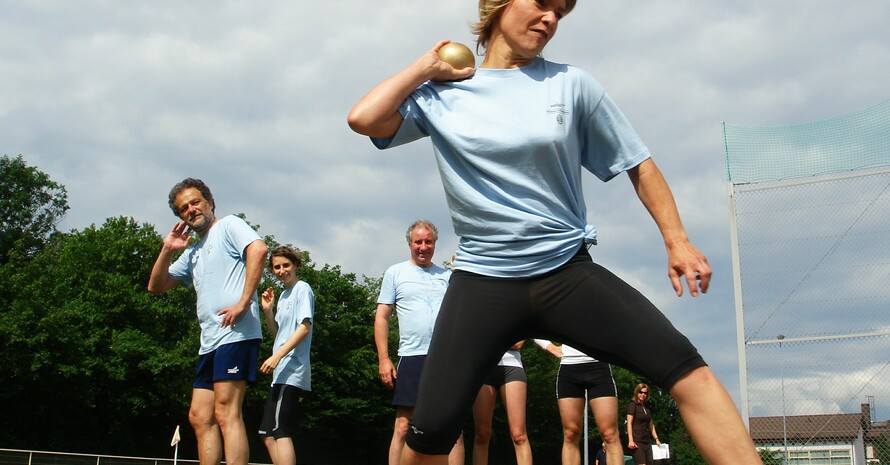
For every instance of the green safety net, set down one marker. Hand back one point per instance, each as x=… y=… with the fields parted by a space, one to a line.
x=774 y=153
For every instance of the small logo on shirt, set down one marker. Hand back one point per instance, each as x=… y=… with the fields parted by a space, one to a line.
x=232 y=371
x=560 y=111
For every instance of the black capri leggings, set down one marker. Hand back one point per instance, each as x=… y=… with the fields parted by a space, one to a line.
x=580 y=303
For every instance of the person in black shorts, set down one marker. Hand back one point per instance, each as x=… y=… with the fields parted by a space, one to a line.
x=583 y=376
x=290 y=366
x=509 y=379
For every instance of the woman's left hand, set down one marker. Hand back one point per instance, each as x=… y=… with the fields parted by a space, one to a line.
x=685 y=260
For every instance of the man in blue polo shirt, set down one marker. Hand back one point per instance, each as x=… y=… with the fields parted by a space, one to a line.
x=224 y=265
x=415 y=289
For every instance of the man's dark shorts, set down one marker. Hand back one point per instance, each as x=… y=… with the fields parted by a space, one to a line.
x=230 y=362
x=407 y=380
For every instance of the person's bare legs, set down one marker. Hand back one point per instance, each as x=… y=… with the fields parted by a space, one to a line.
x=483 y=411
x=707 y=408
x=514 y=395
x=284 y=452
x=203 y=421
x=269 y=442
x=605 y=413
x=228 y=398
x=412 y=457
x=571 y=410
x=457 y=456
x=399 y=432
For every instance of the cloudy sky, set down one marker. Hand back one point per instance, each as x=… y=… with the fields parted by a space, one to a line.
x=119 y=100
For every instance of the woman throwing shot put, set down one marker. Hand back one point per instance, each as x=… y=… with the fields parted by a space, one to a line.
x=510 y=141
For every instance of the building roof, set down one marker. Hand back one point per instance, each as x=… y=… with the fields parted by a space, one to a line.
x=806 y=428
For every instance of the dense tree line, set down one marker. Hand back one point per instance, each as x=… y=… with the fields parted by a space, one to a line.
x=95 y=364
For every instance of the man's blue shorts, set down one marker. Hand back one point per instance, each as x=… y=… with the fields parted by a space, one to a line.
x=236 y=361
x=407 y=380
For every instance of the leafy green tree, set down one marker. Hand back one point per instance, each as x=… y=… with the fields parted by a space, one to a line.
x=881 y=446
x=544 y=425
x=96 y=363
x=31 y=205
x=771 y=456
x=84 y=340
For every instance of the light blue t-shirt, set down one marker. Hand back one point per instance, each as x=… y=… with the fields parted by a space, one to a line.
x=215 y=267
x=417 y=294
x=294 y=305
x=510 y=144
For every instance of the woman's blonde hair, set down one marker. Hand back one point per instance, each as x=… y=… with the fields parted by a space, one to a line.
x=489 y=11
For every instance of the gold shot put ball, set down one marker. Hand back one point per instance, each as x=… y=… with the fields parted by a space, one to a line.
x=457 y=55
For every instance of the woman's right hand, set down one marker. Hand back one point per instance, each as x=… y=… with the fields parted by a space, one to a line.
x=631 y=444
x=267 y=298
x=377 y=113
x=441 y=70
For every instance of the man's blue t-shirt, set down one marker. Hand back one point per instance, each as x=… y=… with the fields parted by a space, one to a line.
x=215 y=266
x=417 y=295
